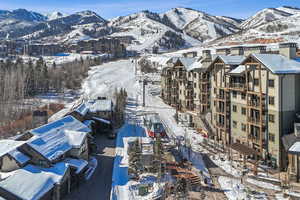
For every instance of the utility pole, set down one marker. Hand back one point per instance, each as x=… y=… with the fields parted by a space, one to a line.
x=144 y=91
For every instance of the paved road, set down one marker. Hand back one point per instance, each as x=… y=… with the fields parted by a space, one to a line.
x=98 y=187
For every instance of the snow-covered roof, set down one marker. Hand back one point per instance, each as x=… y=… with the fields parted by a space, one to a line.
x=53 y=145
x=79 y=164
x=98 y=105
x=278 y=64
x=19 y=156
x=295 y=148
x=82 y=109
x=161 y=60
x=231 y=60
x=32 y=183
x=6 y=146
x=195 y=65
x=66 y=123
x=187 y=61
x=238 y=70
x=75 y=138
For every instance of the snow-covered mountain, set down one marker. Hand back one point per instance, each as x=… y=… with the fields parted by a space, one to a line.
x=288 y=9
x=54 y=15
x=150 y=29
x=176 y=28
x=20 y=18
x=200 y=25
x=56 y=27
x=264 y=16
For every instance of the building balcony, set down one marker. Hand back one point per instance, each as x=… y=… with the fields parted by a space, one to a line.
x=238 y=86
x=255 y=120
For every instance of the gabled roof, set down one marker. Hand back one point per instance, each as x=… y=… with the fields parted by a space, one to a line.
x=98 y=105
x=162 y=60
x=66 y=123
x=52 y=145
x=231 y=60
x=33 y=182
x=238 y=70
x=278 y=64
x=19 y=156
x=185 y=61
x=82 y=109
x=6 y=146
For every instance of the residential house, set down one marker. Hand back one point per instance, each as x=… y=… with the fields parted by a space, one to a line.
x=35 y=183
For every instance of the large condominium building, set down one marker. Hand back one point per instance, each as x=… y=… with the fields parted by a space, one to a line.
x=250 y=94
x=255 y=99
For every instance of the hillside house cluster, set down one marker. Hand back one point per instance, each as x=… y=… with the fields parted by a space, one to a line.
x=245 y=98
x=50 y=161
x=46 y=162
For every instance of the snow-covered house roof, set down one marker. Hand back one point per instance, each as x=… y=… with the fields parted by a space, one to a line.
x=187 y=61
x=195 y=65
x=231 y=60
x=82 y=109
x=66 y=123
x=75 y=138
x=79 y=164
x=238 y=70
x=99 y=105
x=52 y=145
x=32 y=183
x=161 y=60
x=19 y=156
x=278 y=64
x=7 y=146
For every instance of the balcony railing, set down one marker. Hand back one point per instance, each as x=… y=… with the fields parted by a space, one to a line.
x=255 y=103
x=241 y=86
x=255 y=120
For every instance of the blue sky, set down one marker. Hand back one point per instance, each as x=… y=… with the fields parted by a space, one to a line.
x=113 y=8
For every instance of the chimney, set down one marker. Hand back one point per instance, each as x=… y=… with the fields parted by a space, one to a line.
x=288 y=50
x=206 y=54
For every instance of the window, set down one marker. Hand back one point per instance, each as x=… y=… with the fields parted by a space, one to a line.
x=179 y=91
x=215 y=90
x=195 y=85
x=271 y=100
x=256 y=82
x=234 y=93
x=234 y=124
x=243 y=94
x=243 y=127
x=272 y=137
x=243 y=111
x=234 y=108
x=271 y=118
x=195 y=75
x=271 y=83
